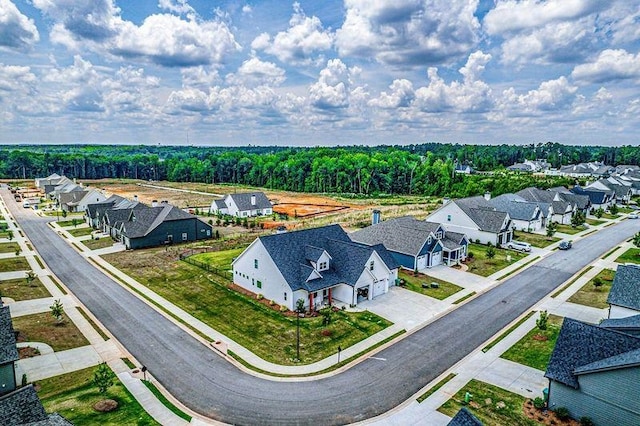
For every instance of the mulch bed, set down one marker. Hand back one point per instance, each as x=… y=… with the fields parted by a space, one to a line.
x=28 y=352
x=546 y=417
x=105 y=405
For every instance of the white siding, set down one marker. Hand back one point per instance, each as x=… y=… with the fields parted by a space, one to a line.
x=454 y=219
x=343 y=293
x=273 y=283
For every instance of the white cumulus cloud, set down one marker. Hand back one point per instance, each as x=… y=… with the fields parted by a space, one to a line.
x=17 y=31
x=611 y=64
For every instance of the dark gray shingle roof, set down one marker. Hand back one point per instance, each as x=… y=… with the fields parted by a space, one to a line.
x=482 y=213
x=622 y=324
x=517 y=207
x=21 y=406
x=243 y=201
x=595 y=196
x=580 y=344
x=625 y=290
x=289 y=252
x=626 y=359
x=464 y=418
x=8 y=351
x=405 y=235
x=143 y=220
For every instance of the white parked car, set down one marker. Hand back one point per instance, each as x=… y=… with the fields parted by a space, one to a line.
x=633 y=216
x=519 y=246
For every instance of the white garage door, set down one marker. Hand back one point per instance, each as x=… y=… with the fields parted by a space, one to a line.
x=422 y=262
x=436 y=259
x=378 y=288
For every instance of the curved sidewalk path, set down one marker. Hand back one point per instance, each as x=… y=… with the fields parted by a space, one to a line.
x=211 y=386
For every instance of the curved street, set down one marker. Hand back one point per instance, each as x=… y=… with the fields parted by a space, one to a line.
x=209 y=385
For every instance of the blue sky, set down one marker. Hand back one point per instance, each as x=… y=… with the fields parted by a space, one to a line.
x=325 y=72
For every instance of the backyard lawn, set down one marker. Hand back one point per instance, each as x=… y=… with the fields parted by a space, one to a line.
x=17 y=263
x=590 y=295
x=480 y=264
x=79 y=232
x=9 y=247
x=490 y=404
x=18 y=289
x=265 y=331
x=534 y=349
x=219 y=259
x=630 y=256
x=99 y=243
x=72 y=395
x=44 y=328
x=414 y=283
x=536 y=240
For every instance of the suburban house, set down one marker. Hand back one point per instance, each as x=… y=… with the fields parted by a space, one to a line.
x=530 y=166
x=93 y=212
x=557 y=208
x=624 y=296
x=621 y=188
x=244 y=204
x=317 y=265
x=53 y=179
x=142 y=226
x=598 y=198
x=586 y=169
x=629 y=325
x=476 y=218
x=64 y=188
x=415 y=244
x=464 y=169
x=77 y=201
x=113 y=217
x=595 y=372
x=525 y=215
x=18 y=405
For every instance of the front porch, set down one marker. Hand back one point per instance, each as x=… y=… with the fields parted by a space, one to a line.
x=454 y=256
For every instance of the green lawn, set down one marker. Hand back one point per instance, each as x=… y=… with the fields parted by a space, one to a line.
x=9 y=247
x=594 y=222
x=591 y=295
x=73 y=394
x=536 y=240
x=414 y=283
x=5 y=234
x=485 y=405
x=18 y=289
x=533 y=350
x=99 y=243
x=610 y=216
x=64 y=223
x=568 y=229
x=17 y=263
x=79 y=232
x=44 y=328
x=268 y=333
x=220 y=259
x=480 y=264
x=630 y=256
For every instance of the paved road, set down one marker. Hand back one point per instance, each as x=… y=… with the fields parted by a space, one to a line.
x=213 y=387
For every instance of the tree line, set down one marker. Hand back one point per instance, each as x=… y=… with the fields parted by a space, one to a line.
x=426 y=169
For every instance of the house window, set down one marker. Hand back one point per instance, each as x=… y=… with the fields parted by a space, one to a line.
x=448 y=218
x=259 y=284
x=429 y=240
x=439 y=235
x=285 y=296
x=184 y=236
x=253 y=281
x=371 y=264
x=255 y=263
x=323 y=266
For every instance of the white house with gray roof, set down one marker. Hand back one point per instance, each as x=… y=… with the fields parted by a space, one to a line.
x=244 y=204
x=415 y=244
x=319 y=266
x=552 y=203
x=624 y=296
x=476 y=218
x=525 y=215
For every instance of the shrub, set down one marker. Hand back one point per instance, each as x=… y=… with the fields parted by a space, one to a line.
x=597 y=282
x=283 y=308
x=586 y=421
x=470 y=255
x=491 y=252
x=542 y=321
x=259 y=296
x=562 y=413
x=272 y=302
x=538 y=403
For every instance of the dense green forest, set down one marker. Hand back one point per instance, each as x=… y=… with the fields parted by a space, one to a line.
x=425 y=169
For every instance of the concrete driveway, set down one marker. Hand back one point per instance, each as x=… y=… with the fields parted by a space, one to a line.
x=405 y=308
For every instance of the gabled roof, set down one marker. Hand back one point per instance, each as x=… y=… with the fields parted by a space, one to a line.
x=464 y=418
x=72 y=197
x=23 y=407
x=596 y=196
x=626 y=359
x=348 y=259
x=580 y=201
x=94 y=208
x=535 y=194
x=141 y=221
x=243 y=201
x=517 y=207
x=581 y=347
x=485 y=216
x=405 y=235
x=220 y=204
x=8 y=351
x=625 y=290
x=622 y=324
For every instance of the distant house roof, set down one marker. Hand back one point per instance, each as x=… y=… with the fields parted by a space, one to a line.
x=622 y=324
x=464 y=418
x=243 y=201
x=595 y=196
x=22 y=407
x=485 y=216
x=220 y=204
x=142 y=221
x=348 y=259
x=536 y=194
x=625 y=290
x=517 y=207
x=582 y=348
x=405 y=235
x=72 y=197
x=8 y=351
x=97 y=209
x=521 y=167
x=581 y=201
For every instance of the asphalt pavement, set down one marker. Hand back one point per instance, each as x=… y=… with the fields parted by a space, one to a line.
x=208 y=384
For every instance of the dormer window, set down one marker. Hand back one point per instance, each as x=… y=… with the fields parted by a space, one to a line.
x=323 y=266
x=439 y=235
